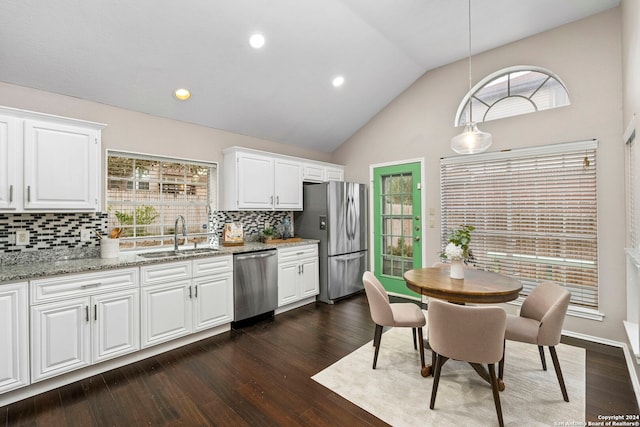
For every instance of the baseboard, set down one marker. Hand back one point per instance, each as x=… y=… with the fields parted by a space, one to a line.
x=627 y=356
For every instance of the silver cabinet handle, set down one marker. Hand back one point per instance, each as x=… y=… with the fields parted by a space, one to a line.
x=90 y=285
x=302 y=268
x=277 y=200
x=86 y=312
x=261 y=255
x=271 y=200
x=28 y=193
x=11 y=193
x=190 y=296
x=95 y=312
x=196 y=286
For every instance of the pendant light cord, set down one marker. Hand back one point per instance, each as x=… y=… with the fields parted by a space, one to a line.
x=470 y=106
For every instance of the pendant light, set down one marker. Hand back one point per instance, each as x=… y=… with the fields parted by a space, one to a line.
x=471 y=140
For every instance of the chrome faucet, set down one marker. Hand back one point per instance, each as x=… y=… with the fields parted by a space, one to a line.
x=175 y=231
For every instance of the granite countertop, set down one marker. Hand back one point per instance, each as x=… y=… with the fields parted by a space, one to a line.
x=27 y=271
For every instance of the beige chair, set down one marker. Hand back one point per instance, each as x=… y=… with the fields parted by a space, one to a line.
x=470 y=334
x=540 y=322
x=384 y=313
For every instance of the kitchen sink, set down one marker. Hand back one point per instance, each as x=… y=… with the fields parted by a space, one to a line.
x=173 y=253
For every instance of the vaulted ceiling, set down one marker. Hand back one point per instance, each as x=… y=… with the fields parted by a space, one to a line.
x=134 y=53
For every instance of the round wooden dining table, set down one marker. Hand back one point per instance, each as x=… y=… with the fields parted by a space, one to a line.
x=477 y=287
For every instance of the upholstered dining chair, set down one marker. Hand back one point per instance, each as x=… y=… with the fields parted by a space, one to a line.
x=384 y=313
x=473 y=334
x=540 y=322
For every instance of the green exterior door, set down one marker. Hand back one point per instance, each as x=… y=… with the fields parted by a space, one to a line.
x=397 y=220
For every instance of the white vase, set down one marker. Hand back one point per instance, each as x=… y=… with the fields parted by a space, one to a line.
x=457 y=269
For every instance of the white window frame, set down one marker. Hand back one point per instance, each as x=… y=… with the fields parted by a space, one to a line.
x=461 y=119
x=197 y=230
x=494 y=158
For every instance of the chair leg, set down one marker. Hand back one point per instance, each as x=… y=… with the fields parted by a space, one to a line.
x=501 y=364
x=421 y=349
x=496 y=392
x=377 y=337
x=415 y=346
x=542 y=359
x=556 y=364
x=436 y=379
x=433 y=362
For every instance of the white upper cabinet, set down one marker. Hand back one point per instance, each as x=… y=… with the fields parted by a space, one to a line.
x=257 y=180
x=48 y=163
x=9 y=159
x=288 y=185
x=254 y=182
x=322 y=172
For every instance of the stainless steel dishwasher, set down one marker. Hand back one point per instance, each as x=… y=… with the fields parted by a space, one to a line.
x=255 y=283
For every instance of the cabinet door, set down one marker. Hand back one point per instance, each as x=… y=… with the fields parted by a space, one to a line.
x=255 y=182
x=309 y=280
x=212 y=300
x=288 y=185
x=9 y=160
x=334 y=174
x=288 y=283
x=61 y=166
x=116 y=324
x=14 y=336
x=166 y=312
x=313 y=173
x=59 y=338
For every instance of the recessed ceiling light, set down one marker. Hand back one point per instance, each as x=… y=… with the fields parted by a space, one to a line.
x=182 y=94
x=338 y=81
x=256 y=41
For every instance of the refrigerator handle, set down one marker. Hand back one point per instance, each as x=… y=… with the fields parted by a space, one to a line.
x=352 y=218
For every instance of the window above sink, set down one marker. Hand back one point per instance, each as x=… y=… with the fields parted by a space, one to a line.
x=146 y=193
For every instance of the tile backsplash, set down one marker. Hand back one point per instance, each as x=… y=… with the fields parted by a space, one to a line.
x=55 y=236
x=253 y=221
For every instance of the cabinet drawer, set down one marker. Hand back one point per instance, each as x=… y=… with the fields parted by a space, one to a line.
x=159 y=273
x=212 y=265
x=76 y=285
x=297 y=252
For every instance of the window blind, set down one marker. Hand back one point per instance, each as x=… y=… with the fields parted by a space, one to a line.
x=535 y=213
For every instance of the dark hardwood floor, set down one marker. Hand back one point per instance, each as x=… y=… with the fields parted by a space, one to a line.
x=260 y=375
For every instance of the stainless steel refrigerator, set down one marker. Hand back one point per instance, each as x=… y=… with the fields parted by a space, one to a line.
x=336 y=214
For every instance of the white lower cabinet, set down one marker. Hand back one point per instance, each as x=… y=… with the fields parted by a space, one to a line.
x=14 y=336
x=297 y=273
x=192 y=296
x=92 y=326
x=166 y=311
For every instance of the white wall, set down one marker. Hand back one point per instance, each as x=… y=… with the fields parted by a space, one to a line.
x=587 y=57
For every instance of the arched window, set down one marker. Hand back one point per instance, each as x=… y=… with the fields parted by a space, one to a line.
x=513 y=91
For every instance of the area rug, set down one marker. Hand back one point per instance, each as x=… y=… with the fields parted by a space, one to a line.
x=396 y=393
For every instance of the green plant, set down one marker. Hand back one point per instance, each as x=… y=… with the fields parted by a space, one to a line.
x=268 y=233
x=461 y=237
x=401 y=249
x=144 y=215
